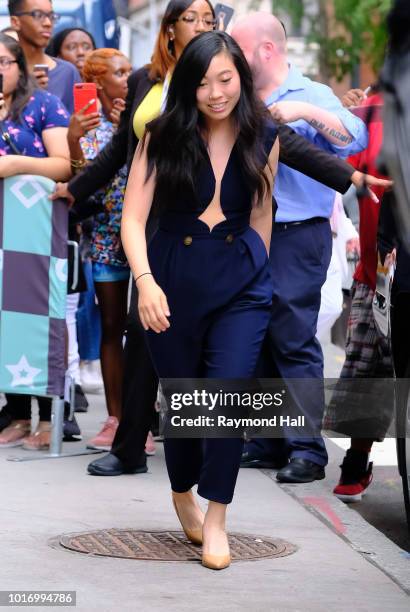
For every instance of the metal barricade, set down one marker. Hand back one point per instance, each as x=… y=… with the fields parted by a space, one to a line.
x=33 y=290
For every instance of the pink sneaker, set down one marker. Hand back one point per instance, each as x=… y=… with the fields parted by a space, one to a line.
x=150 y=445
x=104 y=439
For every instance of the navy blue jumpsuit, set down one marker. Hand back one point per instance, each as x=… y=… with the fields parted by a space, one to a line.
x=219 y=290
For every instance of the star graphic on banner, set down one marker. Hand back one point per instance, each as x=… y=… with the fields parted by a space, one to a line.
x=23 y=373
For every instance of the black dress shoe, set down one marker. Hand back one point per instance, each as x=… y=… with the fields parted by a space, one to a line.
x=301 y=470
x=252 y=461
x=110 y=465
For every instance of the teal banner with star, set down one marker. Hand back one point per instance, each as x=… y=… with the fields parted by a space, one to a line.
x=33 y=287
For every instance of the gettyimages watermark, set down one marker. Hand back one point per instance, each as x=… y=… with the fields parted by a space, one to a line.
x=275 y=408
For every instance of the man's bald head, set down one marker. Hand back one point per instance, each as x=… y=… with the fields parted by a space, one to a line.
x=262 y=39
x=262 y=27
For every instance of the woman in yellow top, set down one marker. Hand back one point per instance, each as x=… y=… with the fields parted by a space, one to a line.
x=147 y=87
x=182 y=21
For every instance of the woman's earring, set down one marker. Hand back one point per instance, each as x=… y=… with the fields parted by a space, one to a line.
x=171 y=34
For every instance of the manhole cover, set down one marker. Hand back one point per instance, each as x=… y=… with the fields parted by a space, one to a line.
x=168 y=545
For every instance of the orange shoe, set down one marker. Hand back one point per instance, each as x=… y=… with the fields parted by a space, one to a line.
x=15 y=434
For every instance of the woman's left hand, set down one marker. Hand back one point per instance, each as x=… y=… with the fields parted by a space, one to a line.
x=118 y=107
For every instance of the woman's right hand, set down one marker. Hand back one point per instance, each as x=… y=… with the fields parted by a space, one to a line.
x=152 y=305
x=81 y=123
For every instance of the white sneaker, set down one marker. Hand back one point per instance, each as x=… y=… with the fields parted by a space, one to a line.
x=91 y=379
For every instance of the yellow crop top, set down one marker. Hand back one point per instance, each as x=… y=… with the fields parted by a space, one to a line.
x=149 y=108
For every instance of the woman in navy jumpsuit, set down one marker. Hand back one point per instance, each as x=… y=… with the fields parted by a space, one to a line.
x=204 y=282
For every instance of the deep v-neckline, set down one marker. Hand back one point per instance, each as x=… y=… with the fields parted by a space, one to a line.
x=226 y=165
x=215 y=186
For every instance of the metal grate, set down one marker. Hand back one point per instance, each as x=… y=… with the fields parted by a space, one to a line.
x=168 y=545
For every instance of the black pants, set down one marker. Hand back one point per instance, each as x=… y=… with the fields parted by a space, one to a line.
x=138 y=395
x=19 y=407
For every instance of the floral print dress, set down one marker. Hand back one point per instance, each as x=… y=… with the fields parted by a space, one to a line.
x=106 y=245
x=42 y=112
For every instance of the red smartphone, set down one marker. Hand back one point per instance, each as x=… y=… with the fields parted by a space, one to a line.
x=83 y=94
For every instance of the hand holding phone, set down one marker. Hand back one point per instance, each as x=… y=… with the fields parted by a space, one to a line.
x=40 y=71
x=85 y=98
x=86 y=116
x=223 y=15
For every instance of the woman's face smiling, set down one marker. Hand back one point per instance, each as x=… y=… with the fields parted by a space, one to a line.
x=220 y=89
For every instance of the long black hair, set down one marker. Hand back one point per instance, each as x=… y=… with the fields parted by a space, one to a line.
x=55 y=44
x=176 y=148
x=25 y=84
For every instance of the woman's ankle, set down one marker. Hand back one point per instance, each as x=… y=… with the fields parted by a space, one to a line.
x=44 y=426
x=183 y=495
x=215 y=517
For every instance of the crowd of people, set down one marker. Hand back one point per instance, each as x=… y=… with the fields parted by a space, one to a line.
x=187 y=184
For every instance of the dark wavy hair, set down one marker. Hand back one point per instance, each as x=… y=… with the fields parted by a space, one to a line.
x=25 y=84
x=176 y=148
x=55 y=44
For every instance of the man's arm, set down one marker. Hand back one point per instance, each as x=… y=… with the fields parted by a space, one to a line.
x=112 y=157
x=321 y=95
x=326 y=123
x=300 y=154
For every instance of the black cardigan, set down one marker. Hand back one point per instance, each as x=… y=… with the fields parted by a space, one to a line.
x=295 y=151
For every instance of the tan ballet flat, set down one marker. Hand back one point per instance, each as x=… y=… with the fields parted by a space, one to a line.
x=193 y=535
x=216 y=562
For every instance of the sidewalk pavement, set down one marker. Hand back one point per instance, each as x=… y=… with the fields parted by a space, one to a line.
x=41 y=500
